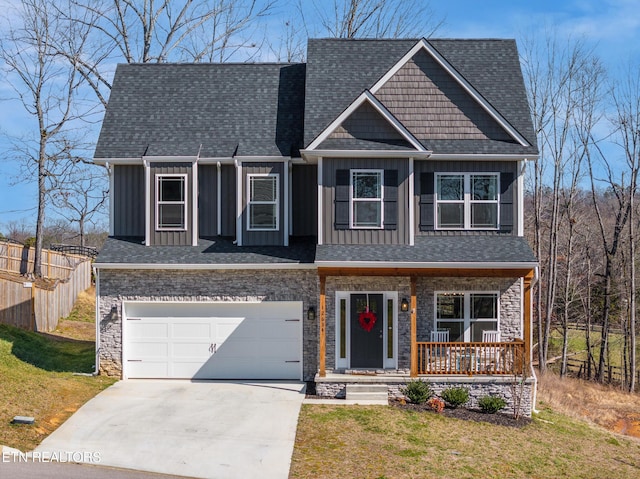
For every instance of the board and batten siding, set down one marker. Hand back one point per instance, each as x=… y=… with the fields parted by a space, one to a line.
x=171 y=238
x=128 y=200
x=263 y=238
x=207 y=200
x=228 y=198
x=332 y=235
x=508 y=193
x=304 y=194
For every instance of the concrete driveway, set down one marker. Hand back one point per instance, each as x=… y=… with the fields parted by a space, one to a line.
x=208 y=429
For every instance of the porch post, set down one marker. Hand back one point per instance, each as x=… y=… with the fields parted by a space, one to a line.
x=323 y=327
x=527 y=317
x=414 y=330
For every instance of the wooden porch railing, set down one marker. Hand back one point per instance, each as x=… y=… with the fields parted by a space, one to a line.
x=503 y=358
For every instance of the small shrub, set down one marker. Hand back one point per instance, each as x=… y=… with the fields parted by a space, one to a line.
x=455 y=397
x=417 y=391
x=491 y=404
x=436 y=404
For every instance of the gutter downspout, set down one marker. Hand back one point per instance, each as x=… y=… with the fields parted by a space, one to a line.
x=536 y=276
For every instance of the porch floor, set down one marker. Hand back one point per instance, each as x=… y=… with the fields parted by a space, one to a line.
x=391 y=378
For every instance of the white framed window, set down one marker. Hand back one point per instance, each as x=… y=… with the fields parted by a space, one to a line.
x=171 y=202
x=366 y=196
x=466 y=314
x=467 y=200
x=263 y=202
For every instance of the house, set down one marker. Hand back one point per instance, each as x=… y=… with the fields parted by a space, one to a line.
x=358 y=217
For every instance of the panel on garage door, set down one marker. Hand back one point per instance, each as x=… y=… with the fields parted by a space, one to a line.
x=259 y=341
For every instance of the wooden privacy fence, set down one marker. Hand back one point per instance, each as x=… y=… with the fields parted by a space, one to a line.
x=38 y=305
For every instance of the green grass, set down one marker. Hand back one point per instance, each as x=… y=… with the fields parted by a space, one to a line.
x=37 y=380
x=366 y=442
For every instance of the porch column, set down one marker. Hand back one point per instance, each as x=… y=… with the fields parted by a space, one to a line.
x=414 y=330
x=323 y=327
x=527 y=318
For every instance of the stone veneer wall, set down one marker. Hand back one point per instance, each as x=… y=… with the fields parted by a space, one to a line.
x=117 y=286
x=510 y=304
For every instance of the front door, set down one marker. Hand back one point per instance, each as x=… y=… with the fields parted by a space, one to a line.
x=366 y=320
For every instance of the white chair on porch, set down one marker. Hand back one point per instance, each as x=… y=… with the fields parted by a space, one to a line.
x=489 y=356
x=439 y=359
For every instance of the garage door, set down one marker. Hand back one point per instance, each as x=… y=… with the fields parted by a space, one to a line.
x=213 y=340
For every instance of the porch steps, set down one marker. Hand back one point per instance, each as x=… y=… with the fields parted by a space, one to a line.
x=367 y=392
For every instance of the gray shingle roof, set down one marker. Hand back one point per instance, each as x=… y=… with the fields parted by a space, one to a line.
x=172 y=109
x=217 y=251
x=427 y=249
x=435 y=249
x=492 y=67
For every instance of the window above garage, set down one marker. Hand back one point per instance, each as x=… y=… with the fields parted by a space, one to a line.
x=171 y=202
x=263 y=202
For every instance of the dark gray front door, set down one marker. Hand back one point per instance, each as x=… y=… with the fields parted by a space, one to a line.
x=366 y=346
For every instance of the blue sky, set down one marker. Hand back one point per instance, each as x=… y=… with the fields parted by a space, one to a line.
x=611 y=27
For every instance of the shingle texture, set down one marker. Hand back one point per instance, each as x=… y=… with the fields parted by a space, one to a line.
x=492 y=67
x=435 y=249
x=215 y=251
x=217 y=110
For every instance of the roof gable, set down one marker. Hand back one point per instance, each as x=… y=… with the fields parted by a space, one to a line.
x=366 y=111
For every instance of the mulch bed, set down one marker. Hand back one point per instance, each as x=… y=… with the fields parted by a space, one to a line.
x=467 y=414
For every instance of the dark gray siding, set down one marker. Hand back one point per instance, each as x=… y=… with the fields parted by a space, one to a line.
x=207 y=200
x=331 y=235
x=128 y=200
x=263 y=238
x=304 y=186
x=171 y=238
x=507 y=169
x=228 y=197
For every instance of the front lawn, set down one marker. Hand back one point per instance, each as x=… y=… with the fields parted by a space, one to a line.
x=387 y=442
x=36 y=376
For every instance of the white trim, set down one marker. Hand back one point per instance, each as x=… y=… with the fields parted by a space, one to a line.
x=286 y=178
x=111 y=172
x=520 y=197
x=239 y=196
x=194 y=205
x=466 y=201
x=345 y=363
x=366 y=96
x=424 y=44
x=425 y=265
x=320 y=205
x=480 y=157
x=205 y=266
x=412 y=214
x=521 y=335
x=184 y=202
x=276 y=202
x=219 y=199
x=466 y=319
x=310 y=154
x=379 y=200
x=147 y=203
x=118 y=161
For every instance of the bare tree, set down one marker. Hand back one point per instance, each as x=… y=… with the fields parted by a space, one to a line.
x=136 y=31
x=47 y=89
x=80 y=197
x=376 y=18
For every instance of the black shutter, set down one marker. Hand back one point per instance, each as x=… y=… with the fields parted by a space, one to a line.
x=426 y=201
x=342 y=200
x=390 y=199
x=506 y=201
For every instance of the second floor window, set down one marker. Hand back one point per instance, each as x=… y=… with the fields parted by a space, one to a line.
x=263 y=204
x=467 y=201
x=366 y=198
x=171 y=204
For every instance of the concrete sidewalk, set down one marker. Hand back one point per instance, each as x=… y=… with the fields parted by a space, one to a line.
x=204 y=429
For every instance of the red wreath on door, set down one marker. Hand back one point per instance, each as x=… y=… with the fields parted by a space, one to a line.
x=367 y=319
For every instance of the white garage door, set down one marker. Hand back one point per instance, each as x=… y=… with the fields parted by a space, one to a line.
x=213 y=340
